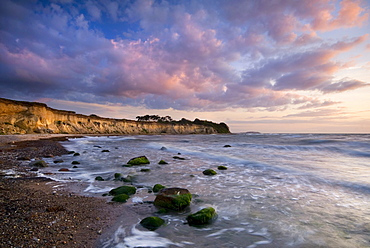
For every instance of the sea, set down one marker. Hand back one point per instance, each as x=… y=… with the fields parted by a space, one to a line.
x=279 y=190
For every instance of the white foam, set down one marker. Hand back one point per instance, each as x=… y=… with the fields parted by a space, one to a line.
x=146 y=239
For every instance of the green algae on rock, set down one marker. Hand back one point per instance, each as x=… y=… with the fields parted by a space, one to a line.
x=202 y=217
x=158 y=187
x=117 y=176
x=209 y=172
x=162 y=162
x=128 y=190
x=99 y=178
x=173 y=198
x=138 y=160
x=221 y=167
x=152 y=223
x=120 y=198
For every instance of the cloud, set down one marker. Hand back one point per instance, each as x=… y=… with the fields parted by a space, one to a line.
x=207 y=55
x=344 y=85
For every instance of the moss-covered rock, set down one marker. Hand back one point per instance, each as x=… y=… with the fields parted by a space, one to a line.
x=202 y=217
x=120 y=198
x=99 y=178
x=209 y=172
x=128 y=190
x=39 y=163
x=152 y=223
x=173 y=198
x=117 y=176
x=221 y=167
x=138 y=161
x=162 y=162
x=158 y=187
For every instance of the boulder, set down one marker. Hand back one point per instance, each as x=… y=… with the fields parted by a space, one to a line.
x=221 y=167
x=152 y=223
x=120 y=198
x=39 y=163
x=63 y=169
x=105 y=151
x=162 y=162
x=158 y=187
x=128 y=190
x=117 y=176
x=57 y=161
x=173 y=198
x=202 y=217
x=99 y=178
x=227 y=145
x=138 y=161
x=75 y=162
x=209 y=172
x=145 y=170
x=76 y=154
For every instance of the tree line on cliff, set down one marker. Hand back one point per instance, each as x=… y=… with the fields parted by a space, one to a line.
x=219 y=127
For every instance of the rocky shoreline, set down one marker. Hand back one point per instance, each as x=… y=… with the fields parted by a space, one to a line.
x=39 y=212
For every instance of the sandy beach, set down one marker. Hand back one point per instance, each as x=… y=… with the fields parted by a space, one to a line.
x=38 y=212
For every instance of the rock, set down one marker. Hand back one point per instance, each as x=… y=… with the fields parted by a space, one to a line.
x=34 y=169
x=24 y=158
x=71 y=152
x=163 y=148
x=76 y=154
x=128 y=190
x=152 y=223
x=202 y=217
x=145 y=170
x=63 y=169
x=99 y=178
x=173 y=198
x=74 y=167
x=128 y=179
x=39 y=163
x=179 y=158
x=221 y=167
x=75 y=162
x=209 y=172
x=57 y=161
x=105 y=151
x=227 y=145
x=138 y=161
x=158 y=187
x=48 y=156
x=97 y=146
x=162 y=162
x=120 y=198
x=117 y=176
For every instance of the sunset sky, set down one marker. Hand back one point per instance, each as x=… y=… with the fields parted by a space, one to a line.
x=263 y=65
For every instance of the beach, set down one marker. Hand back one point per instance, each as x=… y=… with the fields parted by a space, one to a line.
x=278 y=190
x=39 y=212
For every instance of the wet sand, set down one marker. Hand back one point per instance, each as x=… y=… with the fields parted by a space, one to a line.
x=39 y=212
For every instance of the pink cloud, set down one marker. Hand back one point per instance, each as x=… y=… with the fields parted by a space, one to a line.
x=350 y=14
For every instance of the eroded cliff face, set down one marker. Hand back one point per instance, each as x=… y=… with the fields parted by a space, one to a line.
x=18 y=117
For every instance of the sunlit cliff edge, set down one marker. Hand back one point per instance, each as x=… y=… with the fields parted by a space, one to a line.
x=19 y=117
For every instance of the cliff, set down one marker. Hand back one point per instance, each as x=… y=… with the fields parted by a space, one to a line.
x=18 y=117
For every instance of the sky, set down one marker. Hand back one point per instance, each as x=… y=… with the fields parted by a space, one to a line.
x=273 y=66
